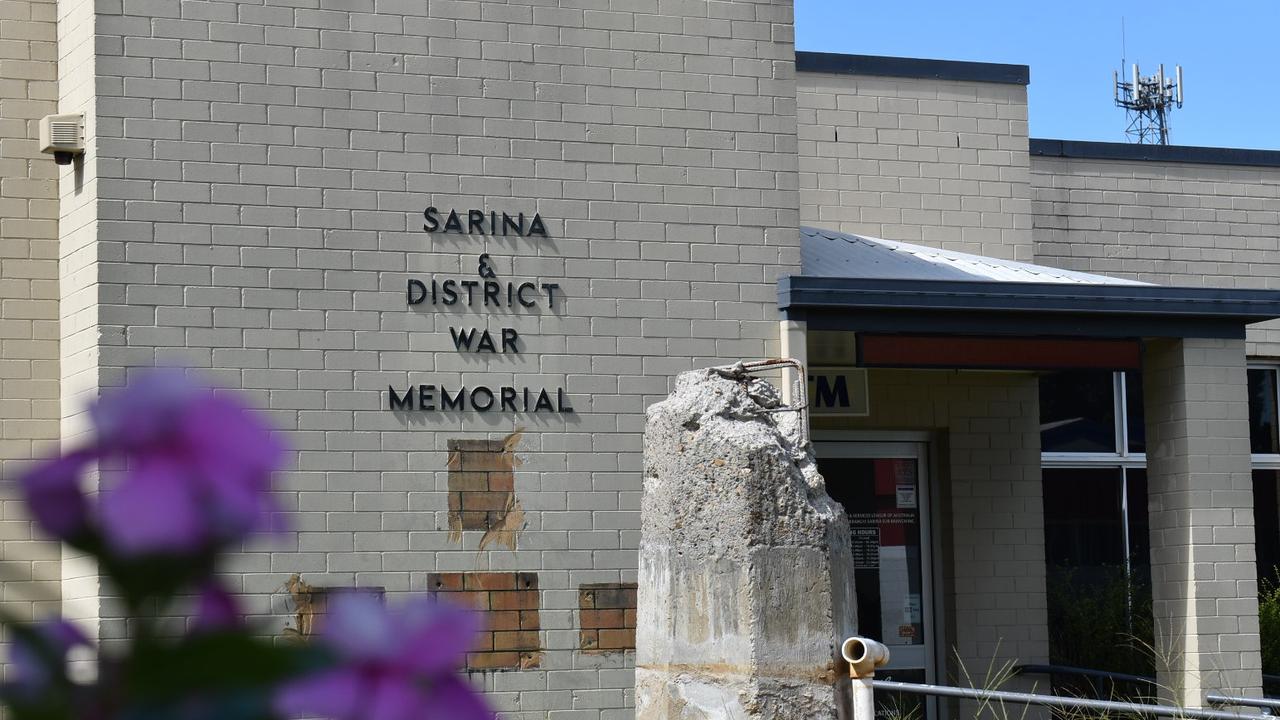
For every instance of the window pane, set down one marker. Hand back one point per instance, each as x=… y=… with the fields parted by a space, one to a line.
x=880 y=496
x=1139 y=525
x=1266 y=515
x=1083 y=526
x=1133 y=410
x=1077 y=412
x=1097 y=610
x=1262 y=411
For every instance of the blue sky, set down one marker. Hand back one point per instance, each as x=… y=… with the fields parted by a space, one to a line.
x=1229 y=51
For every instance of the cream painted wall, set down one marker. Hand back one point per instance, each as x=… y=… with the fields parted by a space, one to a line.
x=987 y=445
x=1167 y=223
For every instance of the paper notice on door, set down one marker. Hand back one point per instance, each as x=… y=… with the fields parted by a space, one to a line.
x=866 y=548
x=906 y=495
x=904 y=471
x=912 y=610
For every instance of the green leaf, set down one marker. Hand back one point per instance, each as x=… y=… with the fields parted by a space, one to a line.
x=223 y=662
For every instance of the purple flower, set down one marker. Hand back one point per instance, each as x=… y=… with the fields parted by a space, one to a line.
x=395 y=664
x=216 y=609
x=54 y=498
x=35 y=664
x=197 y=471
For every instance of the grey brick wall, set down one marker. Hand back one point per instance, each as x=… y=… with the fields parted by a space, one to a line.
x=935 y=162
x=262 y=173
x=252 y=205
x=1168 y=223
x=28 y=294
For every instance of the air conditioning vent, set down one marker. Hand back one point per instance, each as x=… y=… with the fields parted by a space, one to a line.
x=62 y=135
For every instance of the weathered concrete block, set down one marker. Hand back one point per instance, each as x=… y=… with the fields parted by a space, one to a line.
x=746 y=582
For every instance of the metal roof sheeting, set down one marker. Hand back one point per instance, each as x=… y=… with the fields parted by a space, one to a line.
x=826 y=253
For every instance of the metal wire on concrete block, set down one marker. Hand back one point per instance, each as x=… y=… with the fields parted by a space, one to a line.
x=800 y=395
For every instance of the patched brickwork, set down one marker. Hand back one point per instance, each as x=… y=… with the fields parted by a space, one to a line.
x=607 y=617
x=481 y=483
x=311 y=604
x=510 y=604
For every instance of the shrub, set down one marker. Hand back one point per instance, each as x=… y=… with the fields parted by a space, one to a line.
x=1101 y=623
x=1269 y=624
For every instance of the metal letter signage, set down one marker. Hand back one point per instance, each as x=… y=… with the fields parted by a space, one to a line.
x=469 y=222
x=484 y=292
x=838 y=391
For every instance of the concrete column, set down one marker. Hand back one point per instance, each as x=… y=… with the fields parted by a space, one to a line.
x=745 y=581
x=1204 y=581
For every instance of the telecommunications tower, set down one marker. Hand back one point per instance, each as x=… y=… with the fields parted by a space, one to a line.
x=1148 y=101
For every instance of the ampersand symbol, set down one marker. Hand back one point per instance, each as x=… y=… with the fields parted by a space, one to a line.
x=484 y=270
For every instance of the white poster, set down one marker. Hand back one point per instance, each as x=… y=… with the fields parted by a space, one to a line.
x=912 y=610
x=906 y=495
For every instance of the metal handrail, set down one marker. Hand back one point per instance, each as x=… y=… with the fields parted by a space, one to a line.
x=1037 y=669
x=1264 y=703
x=1055 y=701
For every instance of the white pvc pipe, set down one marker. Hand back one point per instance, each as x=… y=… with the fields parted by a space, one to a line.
x=864 y=655
x=864 y=700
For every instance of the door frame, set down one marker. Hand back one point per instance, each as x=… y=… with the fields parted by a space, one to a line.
x=920 y=447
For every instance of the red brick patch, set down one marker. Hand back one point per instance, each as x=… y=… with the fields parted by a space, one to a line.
x=311 y=604
x=607 y=617
x=510 y=603
x=481 y=483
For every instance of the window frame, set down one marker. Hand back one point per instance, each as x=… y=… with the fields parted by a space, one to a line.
x=1266 y=461
x=1125 y=460
x=1121 y=458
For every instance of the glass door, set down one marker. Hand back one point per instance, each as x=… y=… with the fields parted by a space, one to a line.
x=884 y=489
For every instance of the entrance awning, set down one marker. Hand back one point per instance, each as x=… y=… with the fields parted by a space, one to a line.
x=869 y=285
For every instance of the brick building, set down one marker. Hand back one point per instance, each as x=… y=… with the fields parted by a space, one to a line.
x=455 y=248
